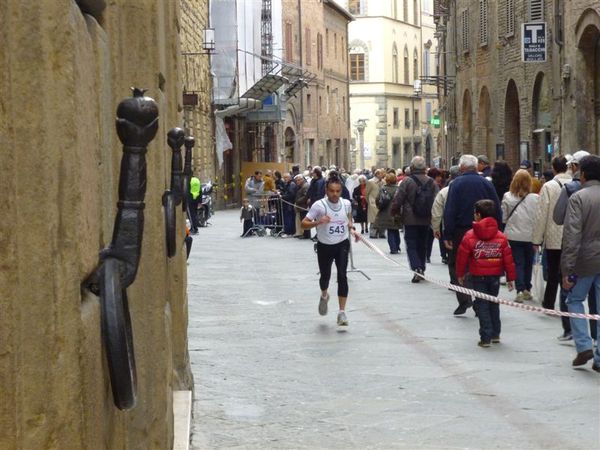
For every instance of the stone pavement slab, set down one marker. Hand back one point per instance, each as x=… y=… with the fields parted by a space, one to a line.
x=270 y=373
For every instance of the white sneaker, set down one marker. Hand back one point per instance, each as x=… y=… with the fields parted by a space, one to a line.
x=323 y=305
x=342 y=320
x=520 y=297
x=527 y=295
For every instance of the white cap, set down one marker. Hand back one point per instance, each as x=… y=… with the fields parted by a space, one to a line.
x=578 y=156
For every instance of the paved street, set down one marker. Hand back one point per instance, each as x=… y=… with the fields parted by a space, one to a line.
x=271 y=373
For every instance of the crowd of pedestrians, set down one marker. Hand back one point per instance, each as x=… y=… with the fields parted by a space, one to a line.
x=491 y=226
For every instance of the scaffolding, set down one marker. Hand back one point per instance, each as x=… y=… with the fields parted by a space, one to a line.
x=266 y=37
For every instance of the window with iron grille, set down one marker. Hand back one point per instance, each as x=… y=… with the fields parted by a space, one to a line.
x=510 y=17
x=464 y=20
x=483 y=22
x=536 y=10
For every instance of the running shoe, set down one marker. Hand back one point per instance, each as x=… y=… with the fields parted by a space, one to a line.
x=342 y=320
x=520 y=297
x=323 y=305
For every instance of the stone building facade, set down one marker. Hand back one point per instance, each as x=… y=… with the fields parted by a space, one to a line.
x=515 y=110
x=197 y=86
x=315 y=37
x=390 y=51
x=59 y=169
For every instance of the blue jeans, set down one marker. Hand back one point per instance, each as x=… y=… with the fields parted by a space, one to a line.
x=488 y=312
x=393 y=238
x=415 y=237
x=579 y=327
x=523 y=256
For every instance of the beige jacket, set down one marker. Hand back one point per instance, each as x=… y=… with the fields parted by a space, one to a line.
x=372 y=191
x=545 y=230
x=437 y=210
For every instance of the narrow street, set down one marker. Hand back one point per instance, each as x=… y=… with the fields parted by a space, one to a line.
x=270 y=372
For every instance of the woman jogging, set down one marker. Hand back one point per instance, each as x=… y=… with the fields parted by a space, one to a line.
x=332 y=216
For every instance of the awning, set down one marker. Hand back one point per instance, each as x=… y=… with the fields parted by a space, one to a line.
x=265 y=87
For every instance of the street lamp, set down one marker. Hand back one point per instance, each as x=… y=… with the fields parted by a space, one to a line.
x=417 y=89
x=360 y=125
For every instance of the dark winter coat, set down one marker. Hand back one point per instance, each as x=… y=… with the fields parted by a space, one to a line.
x=405 y=199
x=385 y=219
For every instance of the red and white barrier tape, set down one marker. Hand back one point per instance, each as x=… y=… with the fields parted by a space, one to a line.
x=490 y=298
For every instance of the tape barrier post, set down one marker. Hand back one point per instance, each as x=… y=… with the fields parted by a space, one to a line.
x=352 y=267
x=480 y=295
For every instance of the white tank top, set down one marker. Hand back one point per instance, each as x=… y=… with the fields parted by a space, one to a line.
x=336 y=230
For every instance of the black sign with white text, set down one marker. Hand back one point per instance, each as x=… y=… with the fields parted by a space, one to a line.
x=534 y=42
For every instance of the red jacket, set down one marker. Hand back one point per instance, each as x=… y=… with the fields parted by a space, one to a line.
x=484 y=251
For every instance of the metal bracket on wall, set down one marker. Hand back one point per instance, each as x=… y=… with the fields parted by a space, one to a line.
x=137 y=124
x=173 y=196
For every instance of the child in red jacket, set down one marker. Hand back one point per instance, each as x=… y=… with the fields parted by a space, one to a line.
x=485 y=252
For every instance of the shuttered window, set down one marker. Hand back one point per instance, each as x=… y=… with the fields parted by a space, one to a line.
x=483 y=22
x=464 y=21
x=357 y=66
x=510 y=17
x=536 y=10
x=308 y=42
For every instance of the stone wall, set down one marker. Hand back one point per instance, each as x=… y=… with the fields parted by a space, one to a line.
x=63 y=74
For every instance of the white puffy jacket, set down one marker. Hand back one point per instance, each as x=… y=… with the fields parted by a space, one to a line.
x=546 y=231
x=520 y=225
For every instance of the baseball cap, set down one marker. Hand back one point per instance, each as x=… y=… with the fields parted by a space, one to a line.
x=525 y=164
x=578 y=156
x=483 y=159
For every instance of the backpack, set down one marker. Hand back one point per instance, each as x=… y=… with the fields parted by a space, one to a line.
x=423 y=198
x=383 y=199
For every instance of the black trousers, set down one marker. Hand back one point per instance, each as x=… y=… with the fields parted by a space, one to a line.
x=326 y=255
x=459 y=233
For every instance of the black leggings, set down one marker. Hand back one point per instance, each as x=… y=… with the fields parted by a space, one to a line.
x=326 y=254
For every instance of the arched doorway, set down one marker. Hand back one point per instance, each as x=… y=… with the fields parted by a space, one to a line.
x=541 y=119
x=484 y=140
x=467 y=124
x=290 y=145
x=512 y=125
x=587 y=83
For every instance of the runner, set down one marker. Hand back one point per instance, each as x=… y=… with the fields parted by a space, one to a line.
x=332 y=216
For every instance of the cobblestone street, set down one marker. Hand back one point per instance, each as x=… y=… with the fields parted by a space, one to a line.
x=271 y=373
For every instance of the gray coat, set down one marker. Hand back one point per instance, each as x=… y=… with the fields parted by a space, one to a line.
x=405 y=198
x=302 y=197
x=581 y=233
x=385 y=219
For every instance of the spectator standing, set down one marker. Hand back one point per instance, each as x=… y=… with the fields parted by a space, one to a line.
x=385 y=220
x=483 y=166
x=548 y=233
x=361 y=206
x=413 y=202
x=194 y=199
x=301 y=203
x=519 y=207
x=464 y=192
x=580 y=261
x=316 y=190
x=254 y=188
x=437 y=213
x=485 y=252
x=288 y=194
x=372 y=190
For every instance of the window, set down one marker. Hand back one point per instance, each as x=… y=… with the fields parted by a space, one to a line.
x=395 y=9
x=327 y=102
x=415 y=65
x=406 y=118
x=483 y=22
x=396 y=122
x=355 y=7
x=289 y=48
x=428 y=113
x=335 y=45
x=416 y=12
x=417 y=122
x=320 y=105
x=406 y=68
x=308 y=46
x=327 y=42
x=464 y=37
x=510 y=17
x=357 y=66
x=394 y=64
x=344 y=50
x=536 y=10
x=344 y=108
x=319 y=51
x=405 y=10
x=308 y=103
x=426 y=61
